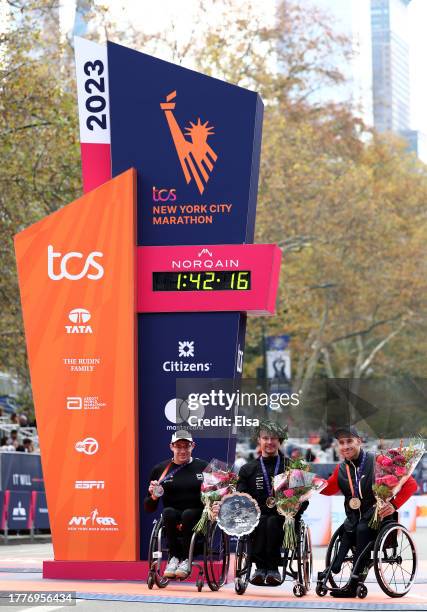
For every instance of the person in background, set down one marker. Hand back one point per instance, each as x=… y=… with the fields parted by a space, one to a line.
x=27 y=446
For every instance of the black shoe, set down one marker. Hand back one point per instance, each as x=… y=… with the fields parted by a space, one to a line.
x=347 y=591
x=273 y=578
x=259 y=577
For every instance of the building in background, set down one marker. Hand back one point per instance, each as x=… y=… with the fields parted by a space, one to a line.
x=351 y=18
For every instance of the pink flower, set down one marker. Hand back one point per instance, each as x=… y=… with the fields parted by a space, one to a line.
x=399 y=460
x=385 y=461
x=389 y=481
x=399 y=471
x=289 y=493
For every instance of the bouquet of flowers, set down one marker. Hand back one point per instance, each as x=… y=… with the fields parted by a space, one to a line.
x=392 y=469
x=218 y=481
x=291 y=489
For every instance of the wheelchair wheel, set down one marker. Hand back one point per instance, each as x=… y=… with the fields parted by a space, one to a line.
x=242 y=565
x=157 y=557
x=216 y=556
x=395 y=560
x=305 y=558
x=338 y=581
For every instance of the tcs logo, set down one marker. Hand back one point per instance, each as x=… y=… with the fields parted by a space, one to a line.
x=90 y=263
x=164 y=195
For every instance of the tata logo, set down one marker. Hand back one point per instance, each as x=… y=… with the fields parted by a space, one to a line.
x=88 y=446
x=164 y=195
x=92 y=269
x=81 y=316
x=196 y=157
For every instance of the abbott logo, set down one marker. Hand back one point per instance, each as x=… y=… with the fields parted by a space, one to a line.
x=88 y=446
x=79 y=315
x=64 y=259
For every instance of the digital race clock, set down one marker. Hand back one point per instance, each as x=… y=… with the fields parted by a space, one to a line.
x=202 y=281
x=221 y=277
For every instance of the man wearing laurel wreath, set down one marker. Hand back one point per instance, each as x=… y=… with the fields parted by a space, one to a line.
x=177 y=481
x=255 y=478
x=354 y=478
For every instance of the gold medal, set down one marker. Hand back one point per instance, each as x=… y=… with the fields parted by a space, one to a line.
x=355 y=503
x=270 y=502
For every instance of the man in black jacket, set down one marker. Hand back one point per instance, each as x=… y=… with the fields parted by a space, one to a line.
x=255 y=478
x=178 y=481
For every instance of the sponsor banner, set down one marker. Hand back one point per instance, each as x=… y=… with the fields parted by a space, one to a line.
x=78 y=302
x=21 y=472
x=19 y=510
x=2 y=511
x=338 y=512
x=94 y=113
x=195 y=142
x=40 y=513
x=278 y=358
x=421 y=520
x=408 y=513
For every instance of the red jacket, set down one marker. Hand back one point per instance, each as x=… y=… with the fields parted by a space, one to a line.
x=407 y=490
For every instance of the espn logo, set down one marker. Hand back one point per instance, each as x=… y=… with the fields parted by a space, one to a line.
x=89 y=484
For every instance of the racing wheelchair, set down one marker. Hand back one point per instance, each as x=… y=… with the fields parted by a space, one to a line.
x=392 y=555
x=296 y=564
x=214 y=548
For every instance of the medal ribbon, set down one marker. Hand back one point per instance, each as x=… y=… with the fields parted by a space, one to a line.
x=166 y=475
x=265 y=475
x=359 y=471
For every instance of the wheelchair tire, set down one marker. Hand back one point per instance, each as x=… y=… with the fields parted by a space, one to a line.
x=216 y=557
x=155 y=557
x=305 y=558
x=338 y=581
x=150 y=581
x=321 y=591
x=242 y=565
x=395 y=549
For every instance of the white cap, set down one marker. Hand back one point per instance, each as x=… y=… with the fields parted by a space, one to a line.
x=181 y=435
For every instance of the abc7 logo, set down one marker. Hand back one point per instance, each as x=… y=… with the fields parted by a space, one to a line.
x=88 y=446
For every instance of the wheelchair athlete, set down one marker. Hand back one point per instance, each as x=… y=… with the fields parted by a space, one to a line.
x=178 y=481
x=255 y=478
x=354 y=478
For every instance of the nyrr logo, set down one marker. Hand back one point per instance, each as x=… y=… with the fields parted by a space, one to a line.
x=186 y=350
x=93 y=522
x=90 y=263
x=79 y=315
x=196 y=157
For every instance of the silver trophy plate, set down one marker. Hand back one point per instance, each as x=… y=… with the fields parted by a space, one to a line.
x=239 y=514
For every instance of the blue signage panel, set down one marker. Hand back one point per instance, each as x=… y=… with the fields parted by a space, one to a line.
x=41 y=517
x=18 y=512
x=195 y=142
x=21 y=472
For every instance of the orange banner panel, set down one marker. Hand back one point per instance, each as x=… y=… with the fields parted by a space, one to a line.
x=76 y=273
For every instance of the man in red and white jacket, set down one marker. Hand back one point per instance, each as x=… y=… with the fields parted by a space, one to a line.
x=353 y=478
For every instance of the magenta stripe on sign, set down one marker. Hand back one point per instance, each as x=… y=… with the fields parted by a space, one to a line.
x=96 y=164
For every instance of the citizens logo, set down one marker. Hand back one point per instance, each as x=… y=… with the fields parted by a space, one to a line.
x=88 y=446
x=89 y=484
x=196 y=157
x=186 y=349
x=79 y=316
x=93 y=522
x=88 y=269
x=90 y=402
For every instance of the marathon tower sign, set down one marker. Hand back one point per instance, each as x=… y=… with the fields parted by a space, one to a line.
x=145 y=279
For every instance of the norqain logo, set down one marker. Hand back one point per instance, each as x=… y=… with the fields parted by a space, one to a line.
x=63 y=260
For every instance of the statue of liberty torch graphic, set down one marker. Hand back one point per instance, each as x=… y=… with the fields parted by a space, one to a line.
x=196 y=157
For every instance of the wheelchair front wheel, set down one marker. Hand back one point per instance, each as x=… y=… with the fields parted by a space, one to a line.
x=338 y=581
x=157 y=558
x=216 y=556
x=305 y=559
x=242 y=565
x=395 y=560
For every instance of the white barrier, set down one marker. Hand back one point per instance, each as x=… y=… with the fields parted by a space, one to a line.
x=318 y=518
x=421 y=510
